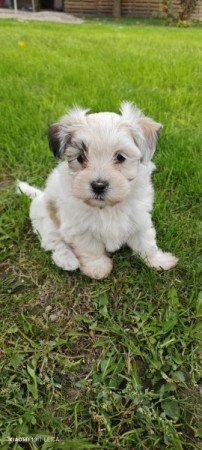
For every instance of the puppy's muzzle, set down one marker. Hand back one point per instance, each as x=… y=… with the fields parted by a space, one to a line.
x=99 y=187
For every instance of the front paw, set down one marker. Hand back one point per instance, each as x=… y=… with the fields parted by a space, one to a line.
x=160 y=260
x=65 y=260
x=98 y=268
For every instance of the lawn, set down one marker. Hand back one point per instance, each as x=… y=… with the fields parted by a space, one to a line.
x=111 y=364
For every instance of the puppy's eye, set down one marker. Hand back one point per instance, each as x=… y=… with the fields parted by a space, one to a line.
x=120 y=158
x=81 y=159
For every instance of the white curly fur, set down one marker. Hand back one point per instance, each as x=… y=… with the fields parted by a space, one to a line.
x=76 y=224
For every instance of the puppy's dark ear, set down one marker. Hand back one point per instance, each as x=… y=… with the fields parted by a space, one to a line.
x=60 y=134
x=54 y=140
x=58 y=139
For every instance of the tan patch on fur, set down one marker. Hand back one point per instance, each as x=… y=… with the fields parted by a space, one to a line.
x=53 y=213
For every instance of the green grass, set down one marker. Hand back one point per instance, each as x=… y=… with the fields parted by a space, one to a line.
x=110 y=364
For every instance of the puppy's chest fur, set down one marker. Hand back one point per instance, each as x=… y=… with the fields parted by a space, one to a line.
x=112 y=226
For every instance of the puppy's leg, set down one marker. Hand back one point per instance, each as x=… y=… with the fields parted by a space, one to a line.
x=143 y=242
x=51 y=239
x=63 y=257
x=92 y=257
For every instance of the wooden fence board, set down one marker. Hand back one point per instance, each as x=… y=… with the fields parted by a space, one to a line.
x=144 y=8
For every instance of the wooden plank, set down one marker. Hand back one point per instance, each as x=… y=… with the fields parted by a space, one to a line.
x=128 y=7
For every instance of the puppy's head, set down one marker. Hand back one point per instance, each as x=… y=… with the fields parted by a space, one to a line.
x=104 y=151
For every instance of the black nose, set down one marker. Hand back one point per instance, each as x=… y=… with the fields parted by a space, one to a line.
x=99 y=186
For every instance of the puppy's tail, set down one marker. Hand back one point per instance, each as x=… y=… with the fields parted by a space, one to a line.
x=28 y=190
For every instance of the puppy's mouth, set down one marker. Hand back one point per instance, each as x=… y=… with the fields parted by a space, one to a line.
x=101 y=202
x=100 y=198
x=98 y=201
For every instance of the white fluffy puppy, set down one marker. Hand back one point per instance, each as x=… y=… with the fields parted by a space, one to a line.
x=100 y=196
